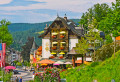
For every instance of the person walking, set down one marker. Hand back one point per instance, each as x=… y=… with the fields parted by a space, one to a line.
x=20 y=79
x=16 y=80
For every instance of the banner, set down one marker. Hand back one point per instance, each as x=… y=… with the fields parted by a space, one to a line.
x=1 y=55
x=3 y=52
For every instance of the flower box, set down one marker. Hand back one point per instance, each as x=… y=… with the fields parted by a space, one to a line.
x=61 y=36
x=53 y=36
x=52 y=57
x=61 y=48
x=54 y=48
x=61 y=57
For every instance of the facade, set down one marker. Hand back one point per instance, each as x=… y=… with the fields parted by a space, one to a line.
x=13 y=55
x=35 y=54
x=60 y=37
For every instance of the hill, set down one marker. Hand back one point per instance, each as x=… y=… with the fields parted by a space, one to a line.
x=21 y=31
x=101 y=71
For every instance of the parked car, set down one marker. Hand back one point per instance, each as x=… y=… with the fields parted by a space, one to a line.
x=32 y=69
x=15 y=71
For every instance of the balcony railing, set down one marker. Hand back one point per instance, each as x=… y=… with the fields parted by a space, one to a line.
x=54 y=36
x=54 y=47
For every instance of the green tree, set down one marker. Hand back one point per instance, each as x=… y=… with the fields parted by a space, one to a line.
x=26 y=49
x=81 y=47
x=93 y=36
x=5 y=35
x=106 y=51
x=111 y=23
x=98 y=11
x=19 y=64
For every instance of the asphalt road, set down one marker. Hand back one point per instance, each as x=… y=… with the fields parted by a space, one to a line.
x=26 y=75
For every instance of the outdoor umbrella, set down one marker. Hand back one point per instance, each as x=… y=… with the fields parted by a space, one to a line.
x=10 y=67
x=43 y=64
x=67 y=63
x=59 y=62
x=46 y=61
x=56 y=64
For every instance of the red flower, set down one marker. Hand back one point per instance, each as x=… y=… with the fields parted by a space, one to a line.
x=61 y=36
x=61 y=57
x=54 y=47
x=61 y=48
x=53 y=36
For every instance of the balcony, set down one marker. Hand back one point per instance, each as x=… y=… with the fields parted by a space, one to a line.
x=62 y=36
x=54 y=36
x=62 y=48
x=54 y=47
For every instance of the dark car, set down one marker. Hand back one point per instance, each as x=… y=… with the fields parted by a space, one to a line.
x=15 y=71
x=32 y=69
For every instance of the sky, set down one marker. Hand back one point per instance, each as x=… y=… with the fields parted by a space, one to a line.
x=37 y=11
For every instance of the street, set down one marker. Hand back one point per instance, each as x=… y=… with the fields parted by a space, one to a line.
x=26 y=75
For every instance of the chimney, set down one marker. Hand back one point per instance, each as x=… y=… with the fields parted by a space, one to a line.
x=65 y=17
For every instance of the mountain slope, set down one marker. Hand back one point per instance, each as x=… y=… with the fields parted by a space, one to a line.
x=21 y=31
x=102 y=72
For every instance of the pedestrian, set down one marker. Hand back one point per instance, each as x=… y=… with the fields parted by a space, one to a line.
x=16 y=80
x=33 y=74
x=20 y=79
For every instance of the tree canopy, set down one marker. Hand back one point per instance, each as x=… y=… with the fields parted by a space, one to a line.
x=26 y=49
x=5 y=35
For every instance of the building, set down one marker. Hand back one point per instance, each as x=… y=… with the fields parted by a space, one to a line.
x=60 y=37
x=35 y=54
x=13 y=55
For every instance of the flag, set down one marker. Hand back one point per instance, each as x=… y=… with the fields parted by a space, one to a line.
x=1 y=54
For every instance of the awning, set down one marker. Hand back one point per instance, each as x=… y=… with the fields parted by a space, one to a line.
x=46 y=61
x=44 y=64
x=54 y=42
x=61 y=53
x=62 y=32
x=54 y=33
x=63 y=42
x=53 y=53
x=59 y=62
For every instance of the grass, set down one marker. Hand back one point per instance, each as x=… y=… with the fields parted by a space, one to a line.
x=101 y=71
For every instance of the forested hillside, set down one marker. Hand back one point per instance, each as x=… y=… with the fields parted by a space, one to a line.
x=21 y=31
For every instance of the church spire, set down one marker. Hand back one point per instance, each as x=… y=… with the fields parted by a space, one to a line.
x=33 y=47
x=57 y=15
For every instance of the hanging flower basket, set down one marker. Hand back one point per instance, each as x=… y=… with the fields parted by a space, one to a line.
x=52 y=57
x=53 y=36
x=61 y=57
x=54 y=48
x=61 y=48
x=61 y=36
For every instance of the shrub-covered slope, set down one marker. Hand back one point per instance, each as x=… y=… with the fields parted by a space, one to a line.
x=102 y=72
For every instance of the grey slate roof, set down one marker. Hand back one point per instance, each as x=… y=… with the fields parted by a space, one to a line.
x=70 y=25
x=33 y=47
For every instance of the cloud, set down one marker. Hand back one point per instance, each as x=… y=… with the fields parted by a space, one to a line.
x=5 y=2
x=59 y=5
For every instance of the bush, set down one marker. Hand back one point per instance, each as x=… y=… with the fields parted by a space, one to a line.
x=49 y=75
x=6 y=77
x=94 y=64
x=19 y=64
x=68 y=66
